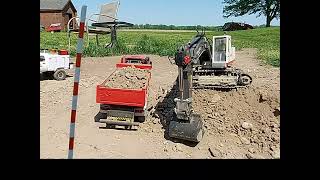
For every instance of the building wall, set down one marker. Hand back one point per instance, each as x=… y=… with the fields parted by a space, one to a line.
x=51 y=17
x=48 y=18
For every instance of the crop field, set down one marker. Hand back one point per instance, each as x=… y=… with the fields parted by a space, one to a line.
x=165 y=43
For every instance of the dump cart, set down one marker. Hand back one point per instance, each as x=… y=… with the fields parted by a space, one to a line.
x=122 y=106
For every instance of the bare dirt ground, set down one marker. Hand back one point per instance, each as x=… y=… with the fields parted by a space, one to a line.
x=241 y=124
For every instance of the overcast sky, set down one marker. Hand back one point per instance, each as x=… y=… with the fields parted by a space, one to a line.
x=175 y=12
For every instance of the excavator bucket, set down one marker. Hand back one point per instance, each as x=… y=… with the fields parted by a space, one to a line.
x=191 y=131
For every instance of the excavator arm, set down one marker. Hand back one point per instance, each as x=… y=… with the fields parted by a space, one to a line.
x=187 y=125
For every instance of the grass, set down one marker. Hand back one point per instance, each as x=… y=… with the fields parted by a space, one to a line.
x=266 y=40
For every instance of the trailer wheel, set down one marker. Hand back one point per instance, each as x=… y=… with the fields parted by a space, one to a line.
x=141 y=119
x=60 y=75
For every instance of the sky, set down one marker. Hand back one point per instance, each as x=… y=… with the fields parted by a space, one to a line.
x=172 y=12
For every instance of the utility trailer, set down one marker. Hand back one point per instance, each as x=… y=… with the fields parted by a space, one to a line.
x=55 y=63
x=123 y=107
x=136 y=59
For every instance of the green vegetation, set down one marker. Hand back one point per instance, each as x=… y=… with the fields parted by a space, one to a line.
x=173 y=27
x=266 y=40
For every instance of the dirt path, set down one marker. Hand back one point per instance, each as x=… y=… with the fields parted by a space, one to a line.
x=224 y=116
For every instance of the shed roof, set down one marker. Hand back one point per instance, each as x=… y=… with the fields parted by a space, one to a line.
x=53 y=4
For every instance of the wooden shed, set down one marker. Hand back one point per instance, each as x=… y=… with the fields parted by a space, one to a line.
x=57 y=11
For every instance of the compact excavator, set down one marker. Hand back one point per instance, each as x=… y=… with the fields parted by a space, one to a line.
x=202 y=64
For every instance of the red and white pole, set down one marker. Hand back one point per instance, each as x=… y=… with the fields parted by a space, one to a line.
x=76 y=82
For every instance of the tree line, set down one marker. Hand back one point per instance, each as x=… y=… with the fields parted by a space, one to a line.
x=173 y=27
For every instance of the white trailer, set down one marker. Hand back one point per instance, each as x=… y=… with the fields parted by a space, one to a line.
x=55 y=64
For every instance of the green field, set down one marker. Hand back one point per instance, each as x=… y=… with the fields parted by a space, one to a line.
x=266 y=40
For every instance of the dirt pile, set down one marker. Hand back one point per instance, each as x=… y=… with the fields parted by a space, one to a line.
x=128 y=78
x=247 y=114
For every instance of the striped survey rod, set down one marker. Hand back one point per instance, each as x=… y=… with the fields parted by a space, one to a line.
x=76 y=82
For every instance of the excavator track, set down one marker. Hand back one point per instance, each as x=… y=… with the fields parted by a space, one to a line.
x=220 y=79
x=218 y=87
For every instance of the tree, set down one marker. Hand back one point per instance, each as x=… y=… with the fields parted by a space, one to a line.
x=269 y=8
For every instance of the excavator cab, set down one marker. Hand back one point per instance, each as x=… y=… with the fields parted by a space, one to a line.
x=223 y=54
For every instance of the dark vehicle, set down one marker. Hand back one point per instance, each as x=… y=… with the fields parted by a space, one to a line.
x=232 y=26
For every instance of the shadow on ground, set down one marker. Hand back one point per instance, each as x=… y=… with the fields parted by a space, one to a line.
x=118 y=128
x=164 y=110
x=44 y=77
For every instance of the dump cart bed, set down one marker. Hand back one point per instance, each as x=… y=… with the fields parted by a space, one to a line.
x=121 y=96
x=140 y=66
